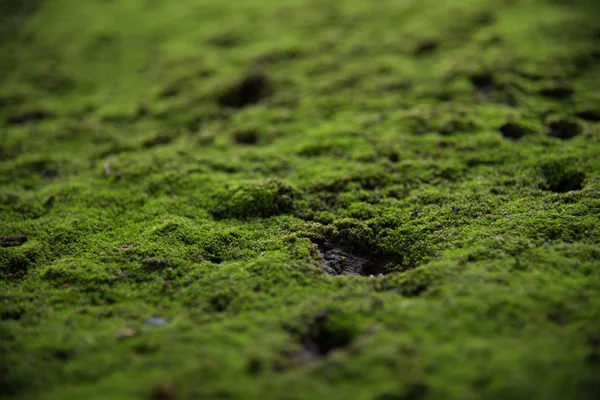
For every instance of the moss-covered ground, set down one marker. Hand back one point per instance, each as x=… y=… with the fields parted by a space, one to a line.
x=300 y=199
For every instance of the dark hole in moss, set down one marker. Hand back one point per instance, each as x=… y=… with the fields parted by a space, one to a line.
x=589 y=115
x=426 y=47
x=28 y=116
x=254 y=366
x=513 y=131
x=142 y=111
x=564 y=129
x=250 y=89
x=11 y=314
x=560 y=177
x=62 y=354
x=144 y=348
x=246 y=137
x=326 y=333
x=483 y=82
x=6 y=241
x=558 y=93
x=220 y=301
x=343 y=259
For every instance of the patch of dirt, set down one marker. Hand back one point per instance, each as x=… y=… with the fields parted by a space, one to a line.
x=338 y=259
x=250 y=89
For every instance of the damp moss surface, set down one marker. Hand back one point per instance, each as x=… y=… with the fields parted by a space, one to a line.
x=300 y=199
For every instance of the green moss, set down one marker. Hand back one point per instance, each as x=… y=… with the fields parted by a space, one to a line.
x=255 y=199
x=187 y=173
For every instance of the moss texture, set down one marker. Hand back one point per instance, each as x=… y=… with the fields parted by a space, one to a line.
x=206 y=186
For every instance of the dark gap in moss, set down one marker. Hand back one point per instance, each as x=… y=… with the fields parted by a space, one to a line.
x=339 y=258
x=561 y=176
x=6 y=241
x=25 y=117
x=564 y=129
x=250 y=89
x=246 y=137
x=557 y=93
x=13 y=314
x=393 y=157
x=254 y=366
x=326 y=332
x=483 y=82
x=426 y=47
x=144 y=348
x=220 y=301
x=589 y=115
x=62 y=354
x=513 y=131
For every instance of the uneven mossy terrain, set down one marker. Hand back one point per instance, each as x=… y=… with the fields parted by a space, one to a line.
x=207 y=186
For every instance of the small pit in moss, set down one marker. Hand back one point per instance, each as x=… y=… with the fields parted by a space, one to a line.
x=338 y=259
x=246 y=137
x=513 y=131
x=249 y=89
x=561 y=177
x=564 y=129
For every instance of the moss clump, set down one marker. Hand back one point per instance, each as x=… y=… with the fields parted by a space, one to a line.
x=254 y=199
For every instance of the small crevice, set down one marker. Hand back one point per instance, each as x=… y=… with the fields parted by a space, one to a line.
x=338 y=259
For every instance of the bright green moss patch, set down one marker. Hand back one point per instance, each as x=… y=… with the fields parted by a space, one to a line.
x=299 y=199
x=255 y=199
